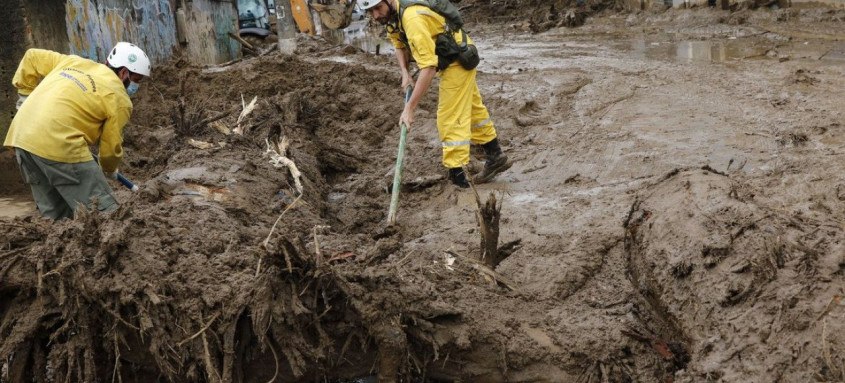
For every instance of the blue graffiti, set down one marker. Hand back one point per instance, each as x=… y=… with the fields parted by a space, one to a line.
x=94 y=26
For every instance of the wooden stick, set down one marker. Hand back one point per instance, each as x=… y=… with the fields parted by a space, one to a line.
x=267 y=240
x=116 y=373
x=397 y=171
x=272 y=229
x=202 y=330
x=243 y=42
x=484 y=270
x=217 y=117
x=275 y=358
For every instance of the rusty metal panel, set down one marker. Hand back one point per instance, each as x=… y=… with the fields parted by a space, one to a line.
x=209 y=23
x=94 y=26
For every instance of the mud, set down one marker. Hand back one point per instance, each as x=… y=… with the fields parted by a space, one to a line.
x=678 y=219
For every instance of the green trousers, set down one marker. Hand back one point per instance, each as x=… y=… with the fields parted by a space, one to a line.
x=60 y=188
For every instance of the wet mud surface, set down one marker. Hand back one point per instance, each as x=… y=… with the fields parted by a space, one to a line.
x=677 y=197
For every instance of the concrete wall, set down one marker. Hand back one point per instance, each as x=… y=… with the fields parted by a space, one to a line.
x=208 y=25
x=13 y=43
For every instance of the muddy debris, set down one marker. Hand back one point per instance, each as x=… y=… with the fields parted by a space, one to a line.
x=699 y=228
x=665 y=220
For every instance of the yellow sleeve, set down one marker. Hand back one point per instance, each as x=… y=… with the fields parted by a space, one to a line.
x=111 y=141
x=395 y=40
x=421 y=42
x=34 y=66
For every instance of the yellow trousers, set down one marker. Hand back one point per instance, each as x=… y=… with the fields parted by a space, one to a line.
x=462 y=118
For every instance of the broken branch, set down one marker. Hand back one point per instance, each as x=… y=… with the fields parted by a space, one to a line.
x=278 y=159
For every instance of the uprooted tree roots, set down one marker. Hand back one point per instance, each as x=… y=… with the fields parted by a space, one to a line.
x=74 y=308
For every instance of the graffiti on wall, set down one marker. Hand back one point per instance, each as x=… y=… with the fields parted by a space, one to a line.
x=95 y=26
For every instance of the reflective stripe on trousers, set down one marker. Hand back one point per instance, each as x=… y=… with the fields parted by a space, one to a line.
x=462 y=118
x=482 y=124
x=449 y=144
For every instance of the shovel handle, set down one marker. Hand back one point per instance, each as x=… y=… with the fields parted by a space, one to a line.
x=127 y=183
x=400 y=161
x=120 y=178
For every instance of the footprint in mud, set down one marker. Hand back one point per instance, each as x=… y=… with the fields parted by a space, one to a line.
x=531 y=113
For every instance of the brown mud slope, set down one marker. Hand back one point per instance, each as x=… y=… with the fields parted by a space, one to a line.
x=184 y=282
x=741 y=284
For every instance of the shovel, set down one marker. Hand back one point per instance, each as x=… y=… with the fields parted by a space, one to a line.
x=120 y=178
x=397 y=172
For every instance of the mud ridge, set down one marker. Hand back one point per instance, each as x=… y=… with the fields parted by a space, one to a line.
x=701 y=228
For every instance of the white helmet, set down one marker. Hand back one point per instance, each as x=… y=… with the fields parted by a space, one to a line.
x=130 y=56
x=367 y=4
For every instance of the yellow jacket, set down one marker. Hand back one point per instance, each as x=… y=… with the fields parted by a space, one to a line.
x=73 y=103
x=421 y=26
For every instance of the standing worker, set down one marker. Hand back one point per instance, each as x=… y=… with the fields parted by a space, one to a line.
x=66 y=104
x=419 y=31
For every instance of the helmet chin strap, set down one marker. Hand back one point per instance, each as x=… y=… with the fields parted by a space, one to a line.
x=394 y=14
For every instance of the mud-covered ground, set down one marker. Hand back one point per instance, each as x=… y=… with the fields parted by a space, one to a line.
x=677 y=200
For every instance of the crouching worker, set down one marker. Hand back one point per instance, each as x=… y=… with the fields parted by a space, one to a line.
x=66 y=104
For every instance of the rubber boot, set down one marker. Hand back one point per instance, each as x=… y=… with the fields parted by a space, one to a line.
x=496 y=162
x=458 y=177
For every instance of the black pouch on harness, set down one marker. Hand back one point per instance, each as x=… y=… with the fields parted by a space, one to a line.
x=448 y=51
x=469 y=58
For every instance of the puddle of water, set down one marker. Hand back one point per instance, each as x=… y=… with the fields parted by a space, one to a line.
x=819 y=50
x=204 y=192
x=726 y=50
x=16 y=206
x=697 y=51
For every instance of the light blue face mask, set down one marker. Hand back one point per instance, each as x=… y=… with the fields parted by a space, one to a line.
x=132 y=88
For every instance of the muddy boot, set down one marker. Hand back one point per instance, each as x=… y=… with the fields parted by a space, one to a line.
x=458 y=177
x=496 y=163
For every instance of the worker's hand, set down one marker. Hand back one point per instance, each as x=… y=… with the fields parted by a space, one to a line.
x=113 y=175
x=407 y=117
x=407 y=80
x=21 y=99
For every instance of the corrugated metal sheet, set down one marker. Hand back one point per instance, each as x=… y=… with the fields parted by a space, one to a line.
x=209 y=23
x=94 y=26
